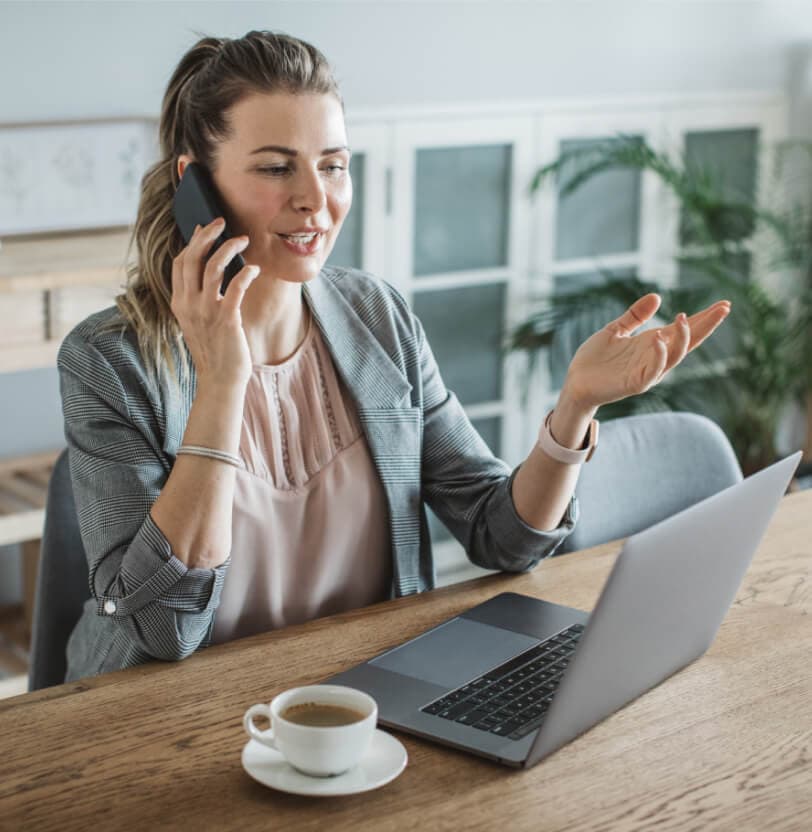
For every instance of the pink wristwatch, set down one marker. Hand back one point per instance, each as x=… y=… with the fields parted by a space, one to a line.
x=568 y=455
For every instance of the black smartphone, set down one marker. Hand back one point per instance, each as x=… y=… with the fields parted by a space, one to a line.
x=197 y=202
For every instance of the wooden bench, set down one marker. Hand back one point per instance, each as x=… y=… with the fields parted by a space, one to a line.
x=23 y=493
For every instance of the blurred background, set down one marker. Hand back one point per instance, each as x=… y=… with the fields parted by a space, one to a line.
x=508 y=157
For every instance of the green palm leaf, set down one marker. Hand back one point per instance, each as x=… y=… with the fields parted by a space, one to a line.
x=766 y=358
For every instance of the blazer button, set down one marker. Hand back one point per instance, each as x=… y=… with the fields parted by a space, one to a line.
x=109 y=607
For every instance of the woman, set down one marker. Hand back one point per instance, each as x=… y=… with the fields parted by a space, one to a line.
x=258 y=459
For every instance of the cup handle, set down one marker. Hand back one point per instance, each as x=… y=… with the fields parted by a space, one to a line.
x=266 y=738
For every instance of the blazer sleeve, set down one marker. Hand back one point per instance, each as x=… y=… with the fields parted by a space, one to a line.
x=469 y=488
x=117 y=472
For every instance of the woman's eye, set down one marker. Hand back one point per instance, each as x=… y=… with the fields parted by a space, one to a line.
x=278 y=170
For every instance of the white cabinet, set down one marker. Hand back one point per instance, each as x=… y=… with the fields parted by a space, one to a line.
x=457 y=244
x=442 y=210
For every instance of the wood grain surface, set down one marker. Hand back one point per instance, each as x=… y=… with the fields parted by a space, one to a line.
x=724 y=744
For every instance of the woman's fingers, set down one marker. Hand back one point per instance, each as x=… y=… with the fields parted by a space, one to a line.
x=654 y=365
x=636 y=315
x=708 y=310
x=679 y=343
x=704 y=323
x=216 y=265
x=198 y=249
x=697 y=328
x=685 y=333
x=700 y=325
x=235 y=291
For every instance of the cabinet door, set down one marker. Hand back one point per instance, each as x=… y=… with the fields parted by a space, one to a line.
x=733 y=146
x=362 y=242
x=606 y=226
x=461 y=227
x=730 y=159
x=734 y=141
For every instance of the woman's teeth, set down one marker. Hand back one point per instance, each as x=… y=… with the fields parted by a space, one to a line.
x=300 y=238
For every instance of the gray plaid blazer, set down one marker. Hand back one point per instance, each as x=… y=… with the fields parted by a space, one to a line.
x=123 y=431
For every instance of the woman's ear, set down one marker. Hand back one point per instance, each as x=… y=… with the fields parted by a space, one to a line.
x=183 y=160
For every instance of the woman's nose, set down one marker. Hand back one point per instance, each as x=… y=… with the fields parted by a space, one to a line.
x=309 y=191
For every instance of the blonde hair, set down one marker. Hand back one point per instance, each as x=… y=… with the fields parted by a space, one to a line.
x=213 y=76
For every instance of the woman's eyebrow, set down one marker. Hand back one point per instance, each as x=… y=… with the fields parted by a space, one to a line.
x=290 y=152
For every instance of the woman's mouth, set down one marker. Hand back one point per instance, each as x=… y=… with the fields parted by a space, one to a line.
x=302 y=244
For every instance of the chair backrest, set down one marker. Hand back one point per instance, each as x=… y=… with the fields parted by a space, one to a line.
x=62 y=582
x=646 y=468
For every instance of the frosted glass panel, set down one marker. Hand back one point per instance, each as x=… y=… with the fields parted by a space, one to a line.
x=602 y=216
x=349 y=247
x=490 y=430
x=465 y=329
x=570 y=336
x=729 y=156
x=738 y=268
x=723 y=342
x=462 y=208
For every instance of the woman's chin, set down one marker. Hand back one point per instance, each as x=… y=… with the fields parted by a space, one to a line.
x=302 y=274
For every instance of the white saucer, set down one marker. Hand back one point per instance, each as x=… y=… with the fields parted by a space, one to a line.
x=382 y=763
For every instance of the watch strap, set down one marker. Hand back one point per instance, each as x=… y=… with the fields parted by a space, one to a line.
x=560 y=453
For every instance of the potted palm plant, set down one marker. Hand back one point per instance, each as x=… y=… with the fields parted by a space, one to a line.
x=745 y=380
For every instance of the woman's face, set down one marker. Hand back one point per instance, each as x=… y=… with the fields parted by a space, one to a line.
x=271 y=192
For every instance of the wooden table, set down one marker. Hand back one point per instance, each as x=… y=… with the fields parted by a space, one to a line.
x=724 y=744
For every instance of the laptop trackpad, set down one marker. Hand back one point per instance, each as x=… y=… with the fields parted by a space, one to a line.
x=455 y=652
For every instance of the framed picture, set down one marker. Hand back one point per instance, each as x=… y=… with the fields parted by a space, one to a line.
x=73 y=175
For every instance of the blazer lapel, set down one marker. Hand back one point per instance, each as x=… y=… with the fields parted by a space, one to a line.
x=371 y=375
x=392 y=426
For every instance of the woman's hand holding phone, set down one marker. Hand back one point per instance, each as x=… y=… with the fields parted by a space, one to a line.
x=211 y=323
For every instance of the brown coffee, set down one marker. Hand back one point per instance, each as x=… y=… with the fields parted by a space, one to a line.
x=321 y=715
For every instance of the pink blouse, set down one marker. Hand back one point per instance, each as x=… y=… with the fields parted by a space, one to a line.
x=310 y=530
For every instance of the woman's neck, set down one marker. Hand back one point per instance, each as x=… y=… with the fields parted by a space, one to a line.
x=274 y=317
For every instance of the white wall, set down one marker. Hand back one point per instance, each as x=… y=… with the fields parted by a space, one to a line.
x=88 y=59
x=82 y=59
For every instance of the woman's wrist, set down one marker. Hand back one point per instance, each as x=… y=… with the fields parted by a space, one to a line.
x=571 y=417
x=215 y=420
x=230 y=389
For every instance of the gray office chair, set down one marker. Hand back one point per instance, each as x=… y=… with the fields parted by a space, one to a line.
x=62 y=582
x=646 y=468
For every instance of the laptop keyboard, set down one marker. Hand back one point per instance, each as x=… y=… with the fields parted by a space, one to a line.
x=512 y=700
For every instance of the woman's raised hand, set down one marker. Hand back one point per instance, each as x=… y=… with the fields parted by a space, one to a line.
x=212 y=324
x=614 y=363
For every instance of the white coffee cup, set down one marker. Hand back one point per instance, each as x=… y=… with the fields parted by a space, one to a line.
x=320 y=751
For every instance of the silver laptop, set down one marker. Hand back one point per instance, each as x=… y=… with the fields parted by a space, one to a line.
x=515 y=678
